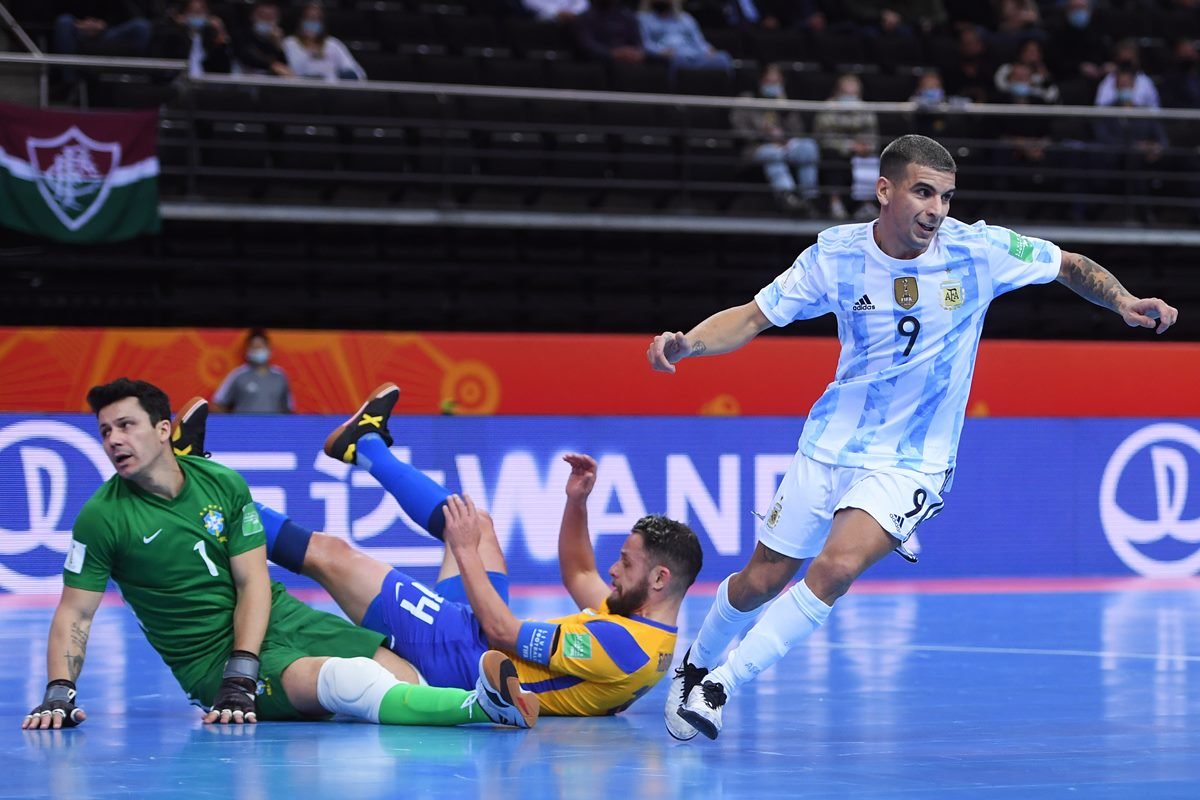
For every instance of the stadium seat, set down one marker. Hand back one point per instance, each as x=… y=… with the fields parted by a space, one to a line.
x=581 y=75
x=580 y=155
x=650 y=76
x=712 y=82
x=236 y=144
x=377 y=149
x=448 y=69
x=473 y=36
x=539 y=40
x=410 y=33
x=311 y=147
x=388 y=67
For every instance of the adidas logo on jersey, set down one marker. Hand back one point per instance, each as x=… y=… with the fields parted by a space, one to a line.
x=864 y=304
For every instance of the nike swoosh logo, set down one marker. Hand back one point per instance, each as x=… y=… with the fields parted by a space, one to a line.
x=149 y=539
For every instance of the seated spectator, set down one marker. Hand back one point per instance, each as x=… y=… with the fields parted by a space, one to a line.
x=313 y=53
x=1076 y=44
x=1131 y=145
x=556 y=10
x=1125 y=55
x=776 y=140
x=930 y=118
x=849 y=136
x=609 y=32
x=969 y=74
x=1181 y=82
x=1019 y=19
x=1033 y=81
x=1025 y=140
x=195 y=35
x=670 y=33
x=258 y=50
x=895 y=17
x=100 y=27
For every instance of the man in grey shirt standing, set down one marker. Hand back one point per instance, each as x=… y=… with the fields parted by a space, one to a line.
x=258 y=386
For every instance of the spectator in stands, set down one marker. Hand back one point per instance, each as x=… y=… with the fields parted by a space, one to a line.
x=670 y=33
x=1131 y=145
x=1076 y=44
x=100 y=27
x=1126 y=58
x=313 y=53
x=895 y=17
x=258 y=386
x=970 y=72
x=608 y=31
x=849 y=136
x=1181 y=82
x=556 y=10
x=1034 y=81
x=1021 y=157
x=259 y=48
x=193 y=34
x=930 y=118
x=776 y=140
x=1019 y=19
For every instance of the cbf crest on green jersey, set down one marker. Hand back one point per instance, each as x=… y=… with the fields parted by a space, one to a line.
x=909 y=330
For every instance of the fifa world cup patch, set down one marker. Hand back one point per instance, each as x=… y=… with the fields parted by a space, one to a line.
x=577 y=645
x=251 y=522
x=76 y=554
x=1020 y=248
x=905 y=292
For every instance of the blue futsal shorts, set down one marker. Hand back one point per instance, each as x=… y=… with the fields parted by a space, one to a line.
x=434 y=629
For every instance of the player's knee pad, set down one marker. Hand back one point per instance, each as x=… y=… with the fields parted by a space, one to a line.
x=353 y=686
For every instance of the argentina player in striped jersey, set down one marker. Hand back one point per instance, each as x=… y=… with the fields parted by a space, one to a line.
x=877 y=451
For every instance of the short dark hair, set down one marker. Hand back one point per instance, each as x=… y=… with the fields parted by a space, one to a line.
x=673 y=544
x=151 y=398
x=256 y=333
x=914 y=149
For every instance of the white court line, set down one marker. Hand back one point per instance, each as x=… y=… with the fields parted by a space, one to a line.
x=1015 y=651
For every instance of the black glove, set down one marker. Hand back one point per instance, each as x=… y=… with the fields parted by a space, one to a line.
x=59 y=702
x=239 y=686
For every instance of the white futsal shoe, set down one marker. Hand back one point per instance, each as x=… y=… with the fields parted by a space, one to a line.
x=703 y=708
x=687 y=677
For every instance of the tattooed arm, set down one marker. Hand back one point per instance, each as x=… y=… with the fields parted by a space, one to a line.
x=723 y=332
x=69 y=632
x=1094 y=283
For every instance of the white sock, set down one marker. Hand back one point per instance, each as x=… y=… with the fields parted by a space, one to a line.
x=718 y=629
x=789 y=620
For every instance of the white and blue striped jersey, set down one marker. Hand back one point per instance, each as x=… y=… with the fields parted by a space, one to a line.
x=909 y=331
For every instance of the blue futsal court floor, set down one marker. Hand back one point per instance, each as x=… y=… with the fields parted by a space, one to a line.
x=1088 y=690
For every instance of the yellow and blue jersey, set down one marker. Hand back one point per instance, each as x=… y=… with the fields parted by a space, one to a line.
x=592 y=663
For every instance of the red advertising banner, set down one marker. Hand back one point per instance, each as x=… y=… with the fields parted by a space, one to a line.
x=51 y=369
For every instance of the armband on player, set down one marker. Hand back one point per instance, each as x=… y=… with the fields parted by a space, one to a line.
x=239 y=686
x=59 y=700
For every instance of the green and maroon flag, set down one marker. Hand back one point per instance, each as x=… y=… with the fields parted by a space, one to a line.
x=78 y=176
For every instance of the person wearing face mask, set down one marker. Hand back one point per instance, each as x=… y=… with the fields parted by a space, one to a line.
x=672 y=34
x=313 y=53
x=258 y=48
x=1077 y=46
x=193 y=34
x=258 y=386
x=849 y=138
x=1131 y=145
x=929 y=119
x=1035 y=81
x=1125 y=56
x=776 y=140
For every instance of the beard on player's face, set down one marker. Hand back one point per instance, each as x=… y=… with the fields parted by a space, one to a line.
x=625 y=601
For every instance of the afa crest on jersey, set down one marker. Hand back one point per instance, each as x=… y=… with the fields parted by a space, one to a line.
x=214 y=520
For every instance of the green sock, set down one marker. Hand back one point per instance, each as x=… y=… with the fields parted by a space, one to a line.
x=411 y=704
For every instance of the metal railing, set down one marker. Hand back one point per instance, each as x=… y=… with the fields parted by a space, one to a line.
x=447 y=144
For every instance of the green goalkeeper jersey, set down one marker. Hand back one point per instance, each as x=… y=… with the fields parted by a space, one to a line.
x=170 y=559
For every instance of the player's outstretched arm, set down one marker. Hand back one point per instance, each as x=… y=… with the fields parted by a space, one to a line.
x=576 y=558
x=236 y=698
x=1094 y=283
x=65 y=651
x=723 y=332
x=462 y=532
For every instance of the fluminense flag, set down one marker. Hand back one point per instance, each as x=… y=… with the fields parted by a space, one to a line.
x=78 y=176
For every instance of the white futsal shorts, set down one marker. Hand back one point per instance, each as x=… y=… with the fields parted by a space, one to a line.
x=811 y=492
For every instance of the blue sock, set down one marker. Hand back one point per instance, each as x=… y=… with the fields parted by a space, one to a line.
x=421 y=498
x=287 y=542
